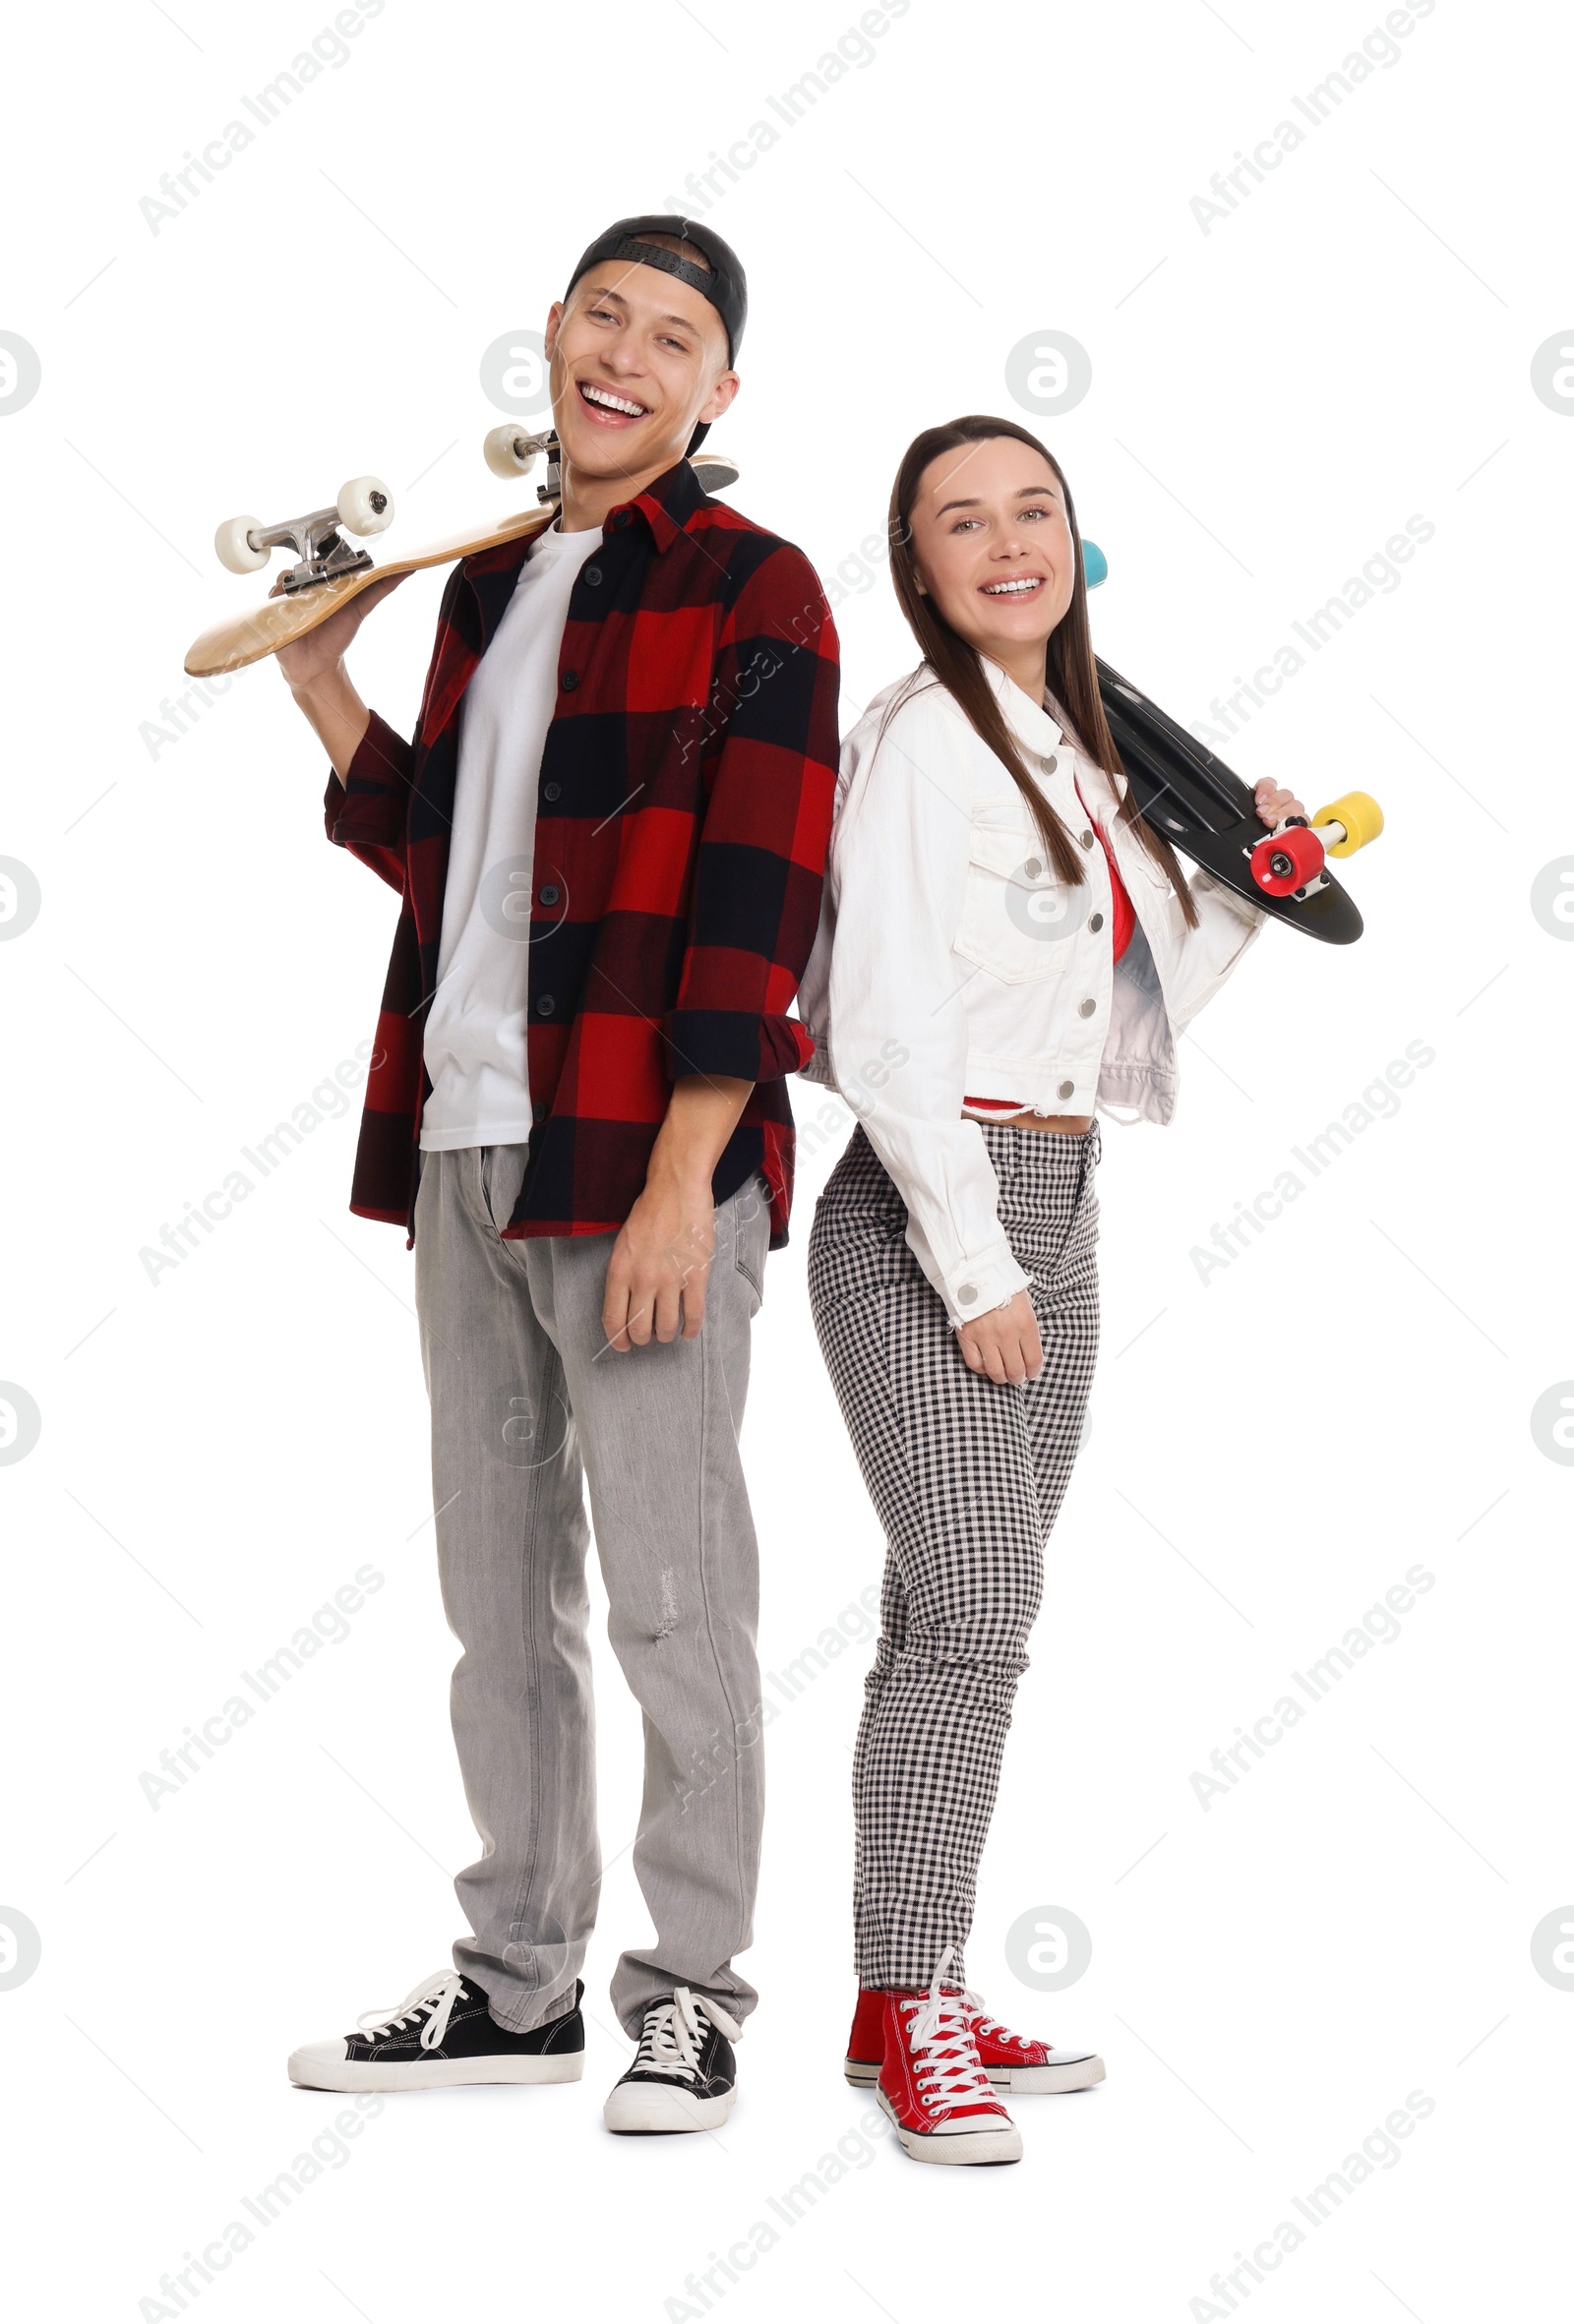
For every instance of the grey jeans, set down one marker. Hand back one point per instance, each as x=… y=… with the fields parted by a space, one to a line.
x=528 y=1406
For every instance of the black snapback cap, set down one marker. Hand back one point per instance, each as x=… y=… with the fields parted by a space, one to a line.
x=724 y=283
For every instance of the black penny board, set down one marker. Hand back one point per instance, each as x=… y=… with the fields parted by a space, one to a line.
x=1205 y=811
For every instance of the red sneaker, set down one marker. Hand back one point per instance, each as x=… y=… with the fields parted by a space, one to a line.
x=1011 y=2061
x=932 y=2085
x=1016 y=2062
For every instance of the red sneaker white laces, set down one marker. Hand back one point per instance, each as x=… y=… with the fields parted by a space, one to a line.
x=947 y=2072
x=990 y=2027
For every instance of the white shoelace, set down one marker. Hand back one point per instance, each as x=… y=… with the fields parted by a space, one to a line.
x=973 y=2004
x=947 y=2072
x=436 y=1994
x=669 y=2039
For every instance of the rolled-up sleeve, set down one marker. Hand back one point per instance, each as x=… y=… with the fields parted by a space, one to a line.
x=759 y=863
x=898 y=1032
x=1227 y=926
x=367 y=813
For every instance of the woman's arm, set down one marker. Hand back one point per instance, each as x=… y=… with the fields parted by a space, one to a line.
x=898 y=1024
x=1229 y=923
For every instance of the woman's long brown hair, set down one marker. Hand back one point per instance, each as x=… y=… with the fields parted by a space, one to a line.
x=1071 y=677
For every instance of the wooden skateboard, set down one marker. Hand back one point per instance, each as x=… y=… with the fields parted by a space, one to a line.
x=1209 y=814
x=329 y=572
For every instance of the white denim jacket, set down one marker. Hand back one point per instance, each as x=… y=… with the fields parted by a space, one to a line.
x=951 y=963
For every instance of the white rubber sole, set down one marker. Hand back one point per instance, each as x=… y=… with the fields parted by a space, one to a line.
x=431 y=2073
x=958 y=2146
x=1076 y=2074
x=645 y=2110
x=1044 y=2080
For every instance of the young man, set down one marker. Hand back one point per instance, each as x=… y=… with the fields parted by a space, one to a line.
x=609 y=833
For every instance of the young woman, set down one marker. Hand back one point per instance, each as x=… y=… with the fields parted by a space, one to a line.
x=1004 y=948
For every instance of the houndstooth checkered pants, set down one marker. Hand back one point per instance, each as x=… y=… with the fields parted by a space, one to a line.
x=967 y=1478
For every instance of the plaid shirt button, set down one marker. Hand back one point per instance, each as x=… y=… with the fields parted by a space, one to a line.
x=545 y=1006
x=552 y=790
x=550 y=895
x=569 y=681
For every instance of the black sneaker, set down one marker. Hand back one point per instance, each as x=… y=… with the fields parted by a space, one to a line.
x=683 y=2072
x=442 y=2035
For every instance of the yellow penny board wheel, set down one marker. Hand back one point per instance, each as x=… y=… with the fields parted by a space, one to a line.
x=1361 y=815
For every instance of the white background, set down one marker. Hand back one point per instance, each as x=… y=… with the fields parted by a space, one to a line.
x=1270 y=1451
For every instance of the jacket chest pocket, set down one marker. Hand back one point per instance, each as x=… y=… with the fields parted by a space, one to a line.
x=1017 y=918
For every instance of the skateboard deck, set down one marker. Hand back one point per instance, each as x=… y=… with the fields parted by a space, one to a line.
x=1207 y=814
x=240 y=638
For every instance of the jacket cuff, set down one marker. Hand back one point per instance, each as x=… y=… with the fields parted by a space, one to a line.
x=736 y=1044
x=974 y=1286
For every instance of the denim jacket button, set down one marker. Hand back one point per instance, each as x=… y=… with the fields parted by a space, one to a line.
x=1085 y=1008
x=1067 y=1089
x=1096 y=922
x=966 y=1294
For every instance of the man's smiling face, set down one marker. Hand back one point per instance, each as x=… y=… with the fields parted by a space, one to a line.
x=637 y=358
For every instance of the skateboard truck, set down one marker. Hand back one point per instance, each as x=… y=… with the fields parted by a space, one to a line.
x=1290 y=860
x=365 y=504
x=511 y=453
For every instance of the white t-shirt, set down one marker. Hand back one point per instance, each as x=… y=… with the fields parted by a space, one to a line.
x=474 y=1044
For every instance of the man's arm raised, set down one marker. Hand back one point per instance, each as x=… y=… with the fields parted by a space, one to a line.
x=315 y=673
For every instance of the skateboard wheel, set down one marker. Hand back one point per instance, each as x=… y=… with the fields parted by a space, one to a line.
x=1286 y=860
x=1095 y=564
x=232 y=545
x=714 y=471
x=365 y=504
x=1361 y=818
x=501 y=452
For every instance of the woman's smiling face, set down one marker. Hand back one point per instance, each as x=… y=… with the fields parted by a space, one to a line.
x=994 y=545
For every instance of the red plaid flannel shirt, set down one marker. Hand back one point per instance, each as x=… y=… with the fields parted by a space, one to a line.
x=684 y=808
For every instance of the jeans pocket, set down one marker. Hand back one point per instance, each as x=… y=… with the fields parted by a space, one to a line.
x=752 y=1234
x=502 y=1175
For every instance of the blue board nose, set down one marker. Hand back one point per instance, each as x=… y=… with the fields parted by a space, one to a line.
x=1095 y=564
